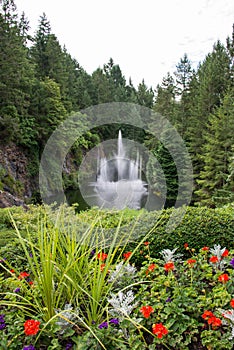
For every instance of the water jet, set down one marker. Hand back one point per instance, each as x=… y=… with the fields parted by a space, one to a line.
x=119 y=180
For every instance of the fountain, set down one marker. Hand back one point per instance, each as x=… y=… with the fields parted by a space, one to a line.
x=119 y=184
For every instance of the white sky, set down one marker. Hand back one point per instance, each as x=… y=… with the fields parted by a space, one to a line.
x=146 y=38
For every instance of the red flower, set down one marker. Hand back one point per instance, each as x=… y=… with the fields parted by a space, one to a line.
x=225 y=253
x=150 y=268
x=159 y=329
x=214 y=259
x=146 y=243
x=146 y=311
x=191 y=261
x=169 y=266
x=205 y=249
x=214 y=321
x=102 y=267
x=23 y=275
x=31 y=327
x=185 y=245
x=127 y=255
x=207 y=314
x=232 y=303
x=12 y=270
x=102 y=256
x=223 y=278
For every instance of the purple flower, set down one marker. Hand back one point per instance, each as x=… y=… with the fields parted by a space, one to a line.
x=2 y=322
x=168 y=300
x=103 y=325
x=232 y=262
x=69 y=346
x=114 y=321
x=29 y=347
x=17 y=290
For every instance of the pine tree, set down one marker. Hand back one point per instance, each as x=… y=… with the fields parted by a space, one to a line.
x=207 y=90
x=169 y=170
x=230 y=48
x=217 y=151
x=16 y=72
x=184 y=75
x=38 y=50
x=165 y=103
x=102 y=87
x=145 y=95
x=116 y=81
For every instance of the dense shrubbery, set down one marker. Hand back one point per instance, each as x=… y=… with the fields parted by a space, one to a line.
x=199 y=225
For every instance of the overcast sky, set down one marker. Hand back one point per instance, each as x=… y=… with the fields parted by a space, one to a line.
x=146 y=38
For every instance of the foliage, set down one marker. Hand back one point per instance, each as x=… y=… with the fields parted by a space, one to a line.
x=217 y=153
x=41 y=84
x=89 y=292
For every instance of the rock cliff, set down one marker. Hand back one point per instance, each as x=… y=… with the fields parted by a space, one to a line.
x=15 y=182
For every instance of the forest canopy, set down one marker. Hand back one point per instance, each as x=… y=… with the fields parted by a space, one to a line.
x=41 y=85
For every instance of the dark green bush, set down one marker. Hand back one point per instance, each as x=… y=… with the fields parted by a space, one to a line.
x=199 y=227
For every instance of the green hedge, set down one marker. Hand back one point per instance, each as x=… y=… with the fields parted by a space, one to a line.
x=199 y=227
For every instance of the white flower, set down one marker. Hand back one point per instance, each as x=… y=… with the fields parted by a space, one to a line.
x=169 y=255
x=122 y=304
x=217 y=251
x=123 y=275
x=66 y=318
x=228 y=315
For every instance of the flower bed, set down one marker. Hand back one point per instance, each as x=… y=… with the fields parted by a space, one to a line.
x=58 y=294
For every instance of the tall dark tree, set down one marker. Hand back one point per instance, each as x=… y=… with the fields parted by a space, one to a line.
x=230 y=48
x=165 y=103
x=16 y=72
x=9 y=11
x=116 y=80
x=184 y=75
x=145 y=95
x=217 y=151
x=38 y=50
x=207 y=92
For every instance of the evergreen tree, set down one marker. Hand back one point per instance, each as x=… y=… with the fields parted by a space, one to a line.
x=207 y=90
x=230 y=48
x=24 y=28
x=9 y=12
x=145 y=95
x=103 y=89
x=165 y=103
x=170 y=176
x=38 y=50
x=48 y=108
x=117 y=82
x=16 y=72
x=217 y=151
x=184 y=75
